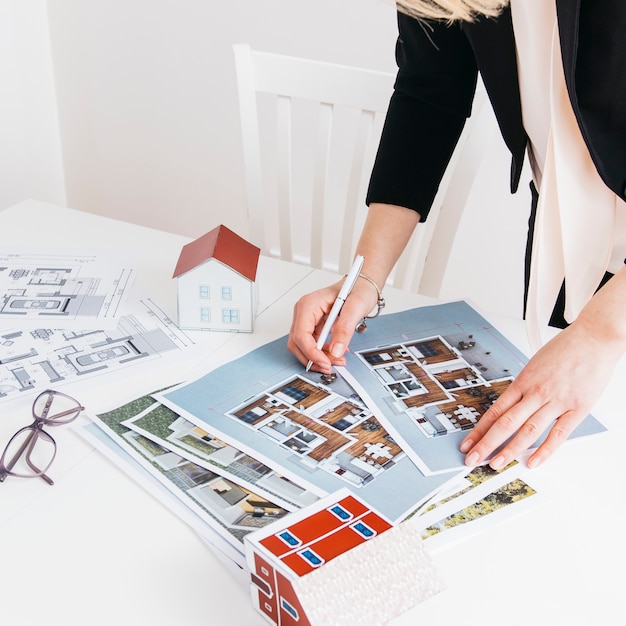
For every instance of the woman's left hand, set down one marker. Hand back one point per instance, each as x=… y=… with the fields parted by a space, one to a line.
x=554 y=392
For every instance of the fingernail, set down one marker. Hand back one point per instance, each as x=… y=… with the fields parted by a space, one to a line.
x=534 y=461
x=497 y=463
x=471 y=459
x=338 y=350
x=466 y=445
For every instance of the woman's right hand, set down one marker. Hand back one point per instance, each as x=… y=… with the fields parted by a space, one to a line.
x=385 y=234
x=309 y=315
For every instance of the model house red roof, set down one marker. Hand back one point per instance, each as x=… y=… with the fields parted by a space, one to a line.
x=223 y=245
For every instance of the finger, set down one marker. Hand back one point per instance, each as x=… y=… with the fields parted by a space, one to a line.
x=559 y=433
x=525 y=421
x=302 y=340
x=504 y=403
x=354 y=309
x=341 y=335
x=526 y=437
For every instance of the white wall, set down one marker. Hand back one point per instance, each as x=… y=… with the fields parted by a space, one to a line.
x=147 y=108
x=148 y=103
x=30 y=149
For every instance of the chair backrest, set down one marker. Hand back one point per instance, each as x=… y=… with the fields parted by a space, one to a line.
x=310 y=130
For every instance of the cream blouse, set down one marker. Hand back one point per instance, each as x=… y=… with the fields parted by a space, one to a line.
x=580 y=229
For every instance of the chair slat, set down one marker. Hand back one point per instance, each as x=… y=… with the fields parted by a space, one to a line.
x=283 y=158
x=320 y=176
x=314 y=218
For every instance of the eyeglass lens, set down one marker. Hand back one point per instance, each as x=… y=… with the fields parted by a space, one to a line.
x=29 y=453
x=55 y=408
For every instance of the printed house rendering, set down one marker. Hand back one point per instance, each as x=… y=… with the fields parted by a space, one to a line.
x=323 y=429
x=433 y=384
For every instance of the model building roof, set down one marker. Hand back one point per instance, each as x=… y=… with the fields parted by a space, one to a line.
x=223 y=245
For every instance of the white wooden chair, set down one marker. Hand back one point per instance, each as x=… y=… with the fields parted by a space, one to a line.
x=310 y=130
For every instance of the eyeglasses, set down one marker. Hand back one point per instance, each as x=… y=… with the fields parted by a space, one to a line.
x=31 y=450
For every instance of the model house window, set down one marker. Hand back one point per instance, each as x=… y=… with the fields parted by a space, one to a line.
x=230 y=316
x=289 y=609
x=310 y=557
x=204 y=292
x=363 y=529
x=289 y=538
x=227 y=293
x=340 y=512
x=205 y=314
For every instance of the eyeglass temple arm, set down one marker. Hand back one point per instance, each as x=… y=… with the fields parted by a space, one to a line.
x=30 y=442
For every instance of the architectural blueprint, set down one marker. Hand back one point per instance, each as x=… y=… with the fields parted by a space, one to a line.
x=414 y=383
x=431 y=373
x=322 y=438
x=258 y=438
x=314 y=432
x=32 y=359
x=62 y=289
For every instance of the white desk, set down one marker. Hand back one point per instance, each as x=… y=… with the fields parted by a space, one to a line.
x=97 y=549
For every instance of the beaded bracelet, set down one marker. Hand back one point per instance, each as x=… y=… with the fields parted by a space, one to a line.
x=380 y=305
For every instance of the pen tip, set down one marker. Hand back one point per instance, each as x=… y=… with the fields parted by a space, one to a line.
x=308 y=366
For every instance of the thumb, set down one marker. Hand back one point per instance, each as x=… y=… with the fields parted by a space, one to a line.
x=343 y=330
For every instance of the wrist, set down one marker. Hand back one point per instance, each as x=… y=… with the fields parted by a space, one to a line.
x=603 y=317
x=380 y=301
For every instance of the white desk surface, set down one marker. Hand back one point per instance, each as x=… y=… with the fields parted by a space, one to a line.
x=97 y=549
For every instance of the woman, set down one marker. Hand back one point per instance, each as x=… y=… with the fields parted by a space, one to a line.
x=554 y=72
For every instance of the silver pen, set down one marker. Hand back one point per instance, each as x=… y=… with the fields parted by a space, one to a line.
x=344 y=292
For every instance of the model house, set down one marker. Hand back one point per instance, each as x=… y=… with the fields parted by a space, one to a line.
x=215 y=277
x=337 y=561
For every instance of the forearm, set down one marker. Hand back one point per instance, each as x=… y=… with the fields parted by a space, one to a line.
x=385 y=234
x=604 y=316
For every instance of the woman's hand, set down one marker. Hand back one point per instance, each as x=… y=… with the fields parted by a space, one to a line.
x=310 y=314
x=558 y=387
x=385 y=234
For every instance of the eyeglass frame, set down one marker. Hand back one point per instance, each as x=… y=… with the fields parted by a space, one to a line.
x=37 y=433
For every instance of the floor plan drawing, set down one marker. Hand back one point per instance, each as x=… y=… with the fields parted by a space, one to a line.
x=429 y=374
x=34 y=359
x=432 y=383
x=318 y=434
x=60 y=289
x=323 y=429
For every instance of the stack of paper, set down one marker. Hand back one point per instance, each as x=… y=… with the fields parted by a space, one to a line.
x=258 y=438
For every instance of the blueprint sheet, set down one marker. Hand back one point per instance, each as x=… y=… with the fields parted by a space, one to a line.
x=389 y=427
x=430 y=373
x=33 y=359
x=63 y=288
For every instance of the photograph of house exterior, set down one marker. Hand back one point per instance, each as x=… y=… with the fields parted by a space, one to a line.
x=215 y=277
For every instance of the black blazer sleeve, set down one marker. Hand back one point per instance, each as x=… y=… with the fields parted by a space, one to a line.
x=432 y=99
x=593 y=45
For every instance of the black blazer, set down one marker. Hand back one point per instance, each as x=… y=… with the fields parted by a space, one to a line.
x=437 y=71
